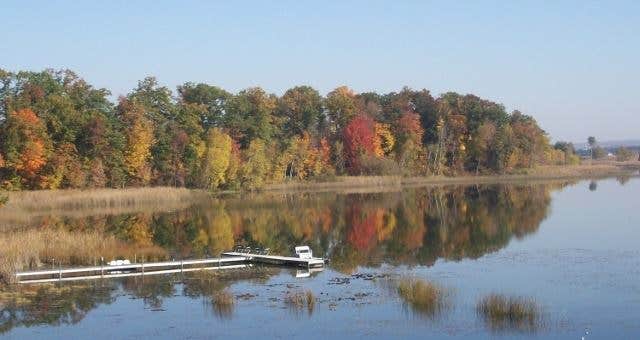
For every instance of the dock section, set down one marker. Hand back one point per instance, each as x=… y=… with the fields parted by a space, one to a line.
x=229 y=260
x=313 y=262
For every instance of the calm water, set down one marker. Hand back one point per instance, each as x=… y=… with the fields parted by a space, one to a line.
x=573 y=248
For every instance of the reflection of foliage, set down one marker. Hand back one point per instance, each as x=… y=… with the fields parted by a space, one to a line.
x=50 y=304
x=415 y=226
x=151 y=289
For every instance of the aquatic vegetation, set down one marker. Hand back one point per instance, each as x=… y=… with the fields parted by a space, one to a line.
x=223 y=303
x=424 y=297
x=299 y=300
x=510 y=313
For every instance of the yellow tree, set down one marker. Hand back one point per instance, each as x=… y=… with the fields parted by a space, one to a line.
x=255 y=167
x=139 y=140
x=217 y=157
x=342 y=106
x=384 y=140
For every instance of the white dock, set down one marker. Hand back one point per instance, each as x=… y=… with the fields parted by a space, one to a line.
x=230 y=260
x=133 y=269
x=279 y=260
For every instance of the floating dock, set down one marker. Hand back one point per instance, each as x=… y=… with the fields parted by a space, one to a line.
x=230 y=260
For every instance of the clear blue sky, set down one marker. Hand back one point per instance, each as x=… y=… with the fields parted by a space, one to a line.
x=573 y=65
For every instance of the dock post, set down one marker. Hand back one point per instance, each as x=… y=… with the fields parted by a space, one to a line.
x=142 y=268
x=181 y=265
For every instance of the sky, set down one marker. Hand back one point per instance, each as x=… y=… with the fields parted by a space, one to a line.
x=573 y=65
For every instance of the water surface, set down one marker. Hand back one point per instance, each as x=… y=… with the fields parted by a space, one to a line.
x=570 y=247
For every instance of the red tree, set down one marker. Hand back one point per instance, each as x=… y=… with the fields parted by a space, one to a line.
x=409 y=126
x=359 y=139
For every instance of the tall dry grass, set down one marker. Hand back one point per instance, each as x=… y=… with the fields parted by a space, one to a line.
x=502 y=312
x=24 y=207
x=426 y=298
x=223 y=303
x=30 y=249
x=299 y=300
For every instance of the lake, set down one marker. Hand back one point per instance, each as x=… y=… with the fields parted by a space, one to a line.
x=568 y=248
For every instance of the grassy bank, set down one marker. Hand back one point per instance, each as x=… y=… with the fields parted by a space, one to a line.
x=354 y=184
x=22 y=250
x=23 y=207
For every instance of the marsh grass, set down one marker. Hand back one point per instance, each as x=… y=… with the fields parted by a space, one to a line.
x=426 y=298
x=223 y=303
x=25 y=207
x=300 y=300
x=30 y=249
x=3 y=199
x=502 y=313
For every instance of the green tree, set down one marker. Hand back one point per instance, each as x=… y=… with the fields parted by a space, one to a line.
x=591 y=141
x=301 y=108
x=212 y=99
x=251 y=115
x=624 y=154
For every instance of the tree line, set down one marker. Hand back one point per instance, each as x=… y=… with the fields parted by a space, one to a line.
x=58 y=131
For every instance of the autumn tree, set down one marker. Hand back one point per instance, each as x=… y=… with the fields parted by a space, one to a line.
x=342 y=106
x=255 y=165
x=139 y=141
x=216 y=159
x=27 y=148
x=359 y=140
x=410 y=153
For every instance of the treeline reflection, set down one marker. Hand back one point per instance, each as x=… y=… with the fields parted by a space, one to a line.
x=411 y=227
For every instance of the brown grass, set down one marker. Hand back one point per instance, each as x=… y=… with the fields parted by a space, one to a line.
x=20 y=250
x=424 y=297
x=223 y=303
x=366 y=184
x=510 y=313
x=299 y=300
x=24 y=207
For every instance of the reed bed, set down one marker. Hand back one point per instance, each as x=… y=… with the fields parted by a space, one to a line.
x=223 y=303
x=23 y=207
x=300 y=300
x=424 y=297
x=502 y=312
x=30 y=249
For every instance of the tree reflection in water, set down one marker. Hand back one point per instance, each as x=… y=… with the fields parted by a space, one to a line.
x=416 y=226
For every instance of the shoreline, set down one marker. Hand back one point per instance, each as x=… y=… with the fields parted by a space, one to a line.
x=542 y=173
x=130 y=199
